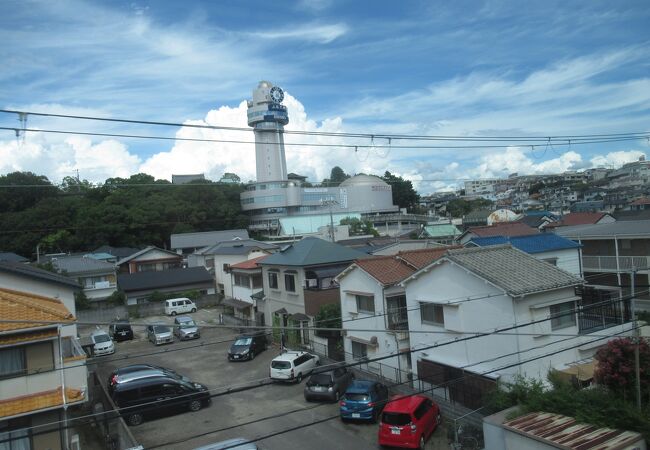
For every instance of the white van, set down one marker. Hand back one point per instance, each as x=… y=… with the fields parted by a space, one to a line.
x=292 y=366
x=181 y=305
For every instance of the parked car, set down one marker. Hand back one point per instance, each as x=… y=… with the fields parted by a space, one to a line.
x=292 y=366
x=233 y=444
x=408 y=421
x=186 y=328
x=160 y=334
x=102 y=343
x=157 y=395
x=121 y=330
x=328 y=385
x=247 y=346
x=363 y=400
x=137 y=371
x=181 y=305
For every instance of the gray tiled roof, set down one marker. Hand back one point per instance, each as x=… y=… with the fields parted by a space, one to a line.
x=236 y=247
x=145 y=250
x=82 y=265
x=35 y=272
x=512 y=270
x=606 y=230
x=205 y=238
x=12 y=257
x=163 y=279
x=311 y=251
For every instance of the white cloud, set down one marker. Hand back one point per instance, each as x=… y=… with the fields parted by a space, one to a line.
x=616 y=159
x=323 y=34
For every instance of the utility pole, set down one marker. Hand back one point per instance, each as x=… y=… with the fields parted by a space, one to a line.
x=637 y=342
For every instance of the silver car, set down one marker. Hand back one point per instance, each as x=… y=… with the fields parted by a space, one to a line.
x=160 y=334
x=186 y=328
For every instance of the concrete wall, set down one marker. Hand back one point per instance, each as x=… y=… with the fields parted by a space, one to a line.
x=293 y=302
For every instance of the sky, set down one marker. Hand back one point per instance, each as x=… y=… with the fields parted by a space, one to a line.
x=464 y=68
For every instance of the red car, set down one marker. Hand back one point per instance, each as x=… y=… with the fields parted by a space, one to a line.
x=408 y=421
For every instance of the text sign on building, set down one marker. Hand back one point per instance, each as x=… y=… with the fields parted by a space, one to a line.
x=343 y=194
x=381 y=188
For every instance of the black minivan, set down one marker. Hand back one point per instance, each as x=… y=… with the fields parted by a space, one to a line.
x=157 y=395
x=247 y=346
x=121 y=331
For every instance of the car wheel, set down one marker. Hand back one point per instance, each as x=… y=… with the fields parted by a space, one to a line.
x=299 y=378
x=173 y=313
x=251 y=356
x=193 y=310
x=195 y=405
x=421 y=447
x=438 y=420
x=134 y=419
x=337 y=396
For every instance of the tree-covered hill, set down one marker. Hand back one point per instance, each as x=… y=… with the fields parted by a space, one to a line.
x=133 y=212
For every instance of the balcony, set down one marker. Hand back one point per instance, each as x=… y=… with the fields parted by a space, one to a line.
x=600 y=309
x=608 y=263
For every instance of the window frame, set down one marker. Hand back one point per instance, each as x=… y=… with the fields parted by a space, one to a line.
x=18 y=373
x=434 y=307
x=360 y=309
x=273 y=280
x=561 y=322
x=292 y=284
x=359 y=346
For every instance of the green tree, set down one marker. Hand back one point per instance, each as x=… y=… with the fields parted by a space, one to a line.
x=359 y=227
x=22 y=190
x=458 y=207
x=404 y=195
x=328 y=316
x=81 y=301
x=337 y=176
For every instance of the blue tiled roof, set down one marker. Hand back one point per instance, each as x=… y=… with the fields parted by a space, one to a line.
x=536 y=243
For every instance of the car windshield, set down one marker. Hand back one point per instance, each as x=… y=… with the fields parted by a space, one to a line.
x=122 y=327
x=243 y=341
x=160 y=329
x=394 y=418
x=98 y=338
x=320 y=379
x=188 y=324
x=280 y=364
x=357 y=397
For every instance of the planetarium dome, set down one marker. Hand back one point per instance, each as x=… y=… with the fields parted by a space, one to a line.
x=362 y=179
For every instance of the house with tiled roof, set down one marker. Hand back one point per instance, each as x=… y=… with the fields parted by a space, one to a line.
x=299 y=279
x=372 y=299
x=218 y=258
x=496 y=229
x=484 y=289
x=150 y=259
x=139 y=286
x=581 y=218
x=549 y=247
x=97 y=278
x=245 y=283
x=43 y=372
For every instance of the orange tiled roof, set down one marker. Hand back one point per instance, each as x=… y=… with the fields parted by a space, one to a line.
x=16 y=305
x=577 y=218
x=392 y=269
x=641 y=201
x=249 y=264
x=18 y=337
x=39 y=400
x=424 y=257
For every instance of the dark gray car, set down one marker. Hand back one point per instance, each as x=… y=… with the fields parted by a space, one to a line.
x=328 y=385
x=160 y=334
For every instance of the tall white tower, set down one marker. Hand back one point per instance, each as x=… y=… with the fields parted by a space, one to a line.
x=268 y=117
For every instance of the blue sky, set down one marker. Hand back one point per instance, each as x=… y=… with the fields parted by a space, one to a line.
x=452 y=68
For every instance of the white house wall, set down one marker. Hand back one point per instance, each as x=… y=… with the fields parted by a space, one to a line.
x=359 y=281
x=293 y=302
x=224 y=278
x=567 y=259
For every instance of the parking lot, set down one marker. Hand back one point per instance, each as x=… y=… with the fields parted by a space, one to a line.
x=260 y=412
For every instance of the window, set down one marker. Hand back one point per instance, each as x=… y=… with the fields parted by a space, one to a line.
x=226 y=267
x=365 y=303
x=273 y=280
x=359 y=350
x=421 y=410
x=432 y=314
x=209 y=262
x=13 y=437
x=290 y=282
x=563 y=315
x=242 y=280
x=12 y=362
x=552 y=261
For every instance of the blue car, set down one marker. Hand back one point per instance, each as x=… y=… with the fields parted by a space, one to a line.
x=363 y=400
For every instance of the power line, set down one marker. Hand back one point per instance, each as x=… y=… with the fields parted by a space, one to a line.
x=348 y=146
x=372 y=136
